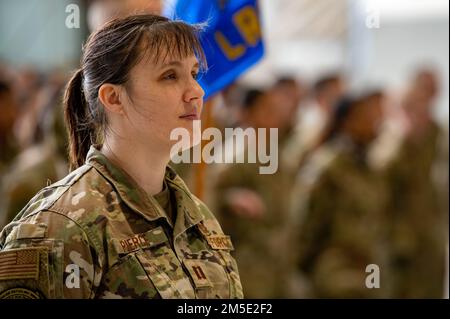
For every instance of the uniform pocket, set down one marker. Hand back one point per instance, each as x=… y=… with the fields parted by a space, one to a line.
x=163 y=267
x=127 y=279
x=152 y=253
x=166 y=274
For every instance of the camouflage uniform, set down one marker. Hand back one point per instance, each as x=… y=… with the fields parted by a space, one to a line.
x=264 y=245
x=98 y=222
x=342 y=204
x=419 y=218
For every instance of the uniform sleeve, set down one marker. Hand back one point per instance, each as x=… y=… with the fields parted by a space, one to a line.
x=47 y=255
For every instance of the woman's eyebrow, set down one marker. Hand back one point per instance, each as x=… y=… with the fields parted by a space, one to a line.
x=171 y=63
x=177 y=64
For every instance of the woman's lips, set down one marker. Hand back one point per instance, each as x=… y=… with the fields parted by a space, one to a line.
x=192 y=116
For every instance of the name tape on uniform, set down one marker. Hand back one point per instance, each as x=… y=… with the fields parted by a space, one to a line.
x=148 y=239
x=220 y=242
x=215 y=241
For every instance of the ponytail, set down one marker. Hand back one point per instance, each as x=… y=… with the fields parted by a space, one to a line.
x=78 y=125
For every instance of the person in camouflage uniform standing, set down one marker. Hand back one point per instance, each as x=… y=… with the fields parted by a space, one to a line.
x=342 y=203
x=254 y=208
x=122 y=224
x=419 y=211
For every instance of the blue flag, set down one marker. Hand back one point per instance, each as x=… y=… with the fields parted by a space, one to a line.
x=232 y=39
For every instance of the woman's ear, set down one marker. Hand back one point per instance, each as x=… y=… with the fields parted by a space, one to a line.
x=111 y=97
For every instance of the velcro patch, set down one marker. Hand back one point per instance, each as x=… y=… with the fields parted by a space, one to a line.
x=31 y=231
x=20 y=263
x=198 y=273
x=148 y=239
x=220 y=242
x=215 y=241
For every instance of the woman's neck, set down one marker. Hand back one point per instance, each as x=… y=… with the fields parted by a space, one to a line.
x=147 y=168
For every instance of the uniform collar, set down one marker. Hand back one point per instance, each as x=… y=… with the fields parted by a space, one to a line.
x=188 y=213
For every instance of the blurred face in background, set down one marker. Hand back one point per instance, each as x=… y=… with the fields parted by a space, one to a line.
x=287 y=98
x=268 y=112
x=426 y=82
x=330 y=93
x=364 y=121
x=418 y=101
x=416 y=107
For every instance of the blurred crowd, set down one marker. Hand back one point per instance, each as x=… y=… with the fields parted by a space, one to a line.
x=32 y=135
x=358 y=207
x=362 y=180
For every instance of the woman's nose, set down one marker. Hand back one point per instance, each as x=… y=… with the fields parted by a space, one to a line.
x=194 y=91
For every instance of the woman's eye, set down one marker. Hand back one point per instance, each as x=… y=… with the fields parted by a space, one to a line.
x=170 y=76
x=195 y=75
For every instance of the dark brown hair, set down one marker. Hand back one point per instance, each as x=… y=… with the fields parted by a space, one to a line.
x=108 y=57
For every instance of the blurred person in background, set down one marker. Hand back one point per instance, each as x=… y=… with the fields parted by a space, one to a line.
x=44 y=161
x=314 y=116
x=8 y=115
x=293 y=93
x=254 y=207
x=32 y=95
x=418 y=177
x=342 y=202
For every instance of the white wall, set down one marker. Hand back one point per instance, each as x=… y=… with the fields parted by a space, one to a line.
x=34 y=32
x=410 y=34
x=397 y=49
